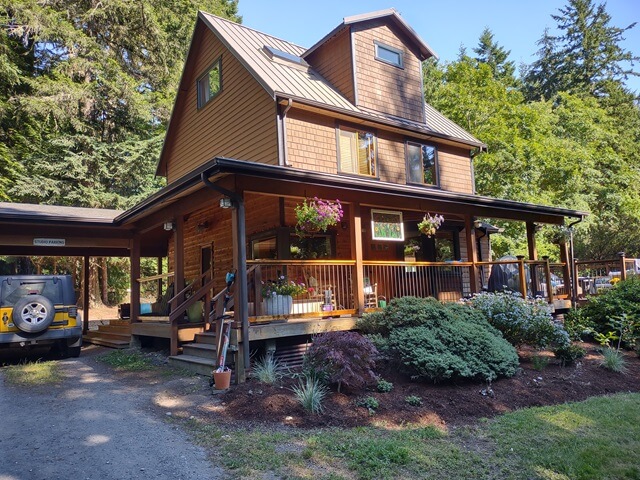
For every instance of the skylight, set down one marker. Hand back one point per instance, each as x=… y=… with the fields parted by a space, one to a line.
x=274 y=53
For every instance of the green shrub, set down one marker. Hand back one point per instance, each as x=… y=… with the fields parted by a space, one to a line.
x=413 y=400
x=521 y=321
x=578 y=325
x=310 y=392
x=539 y=362
x=267 y=369
x=384 y=386
x=613 y=360
x=347 y=358
x=567 y=354
x=370 y=403
x=624 y=298
x=457 y=349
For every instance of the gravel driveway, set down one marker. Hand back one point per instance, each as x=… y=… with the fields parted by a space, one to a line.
x=92 y=426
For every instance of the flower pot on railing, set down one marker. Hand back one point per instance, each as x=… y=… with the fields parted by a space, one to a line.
x=278 y=305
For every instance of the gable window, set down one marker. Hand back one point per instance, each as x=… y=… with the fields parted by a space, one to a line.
x=210 y=83
x=422 y=165
x=357 y=152
x=390 y=55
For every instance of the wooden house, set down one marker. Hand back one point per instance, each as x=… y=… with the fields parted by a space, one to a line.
x=259 y=125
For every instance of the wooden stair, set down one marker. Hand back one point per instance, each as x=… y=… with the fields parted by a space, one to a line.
x=198 y=357
x=116 y=334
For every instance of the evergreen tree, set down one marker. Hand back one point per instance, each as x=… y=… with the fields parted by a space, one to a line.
x=490 y=52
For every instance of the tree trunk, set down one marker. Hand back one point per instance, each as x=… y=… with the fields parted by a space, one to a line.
x=104 y=284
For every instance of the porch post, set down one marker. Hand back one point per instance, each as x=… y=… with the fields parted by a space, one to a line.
x=178 y=256
x=570 y=280
x=472 y=253
x=533 y=255
x=134 y=309
x=85 y=293
x=159 y=270
x=239 y=240
x=355 y=225
x=547 y=272
x=522 y=275
x=623 y=271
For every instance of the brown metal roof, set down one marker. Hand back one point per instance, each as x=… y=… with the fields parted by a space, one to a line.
x=28 y=211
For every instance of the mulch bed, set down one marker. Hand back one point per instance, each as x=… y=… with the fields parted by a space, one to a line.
x=443 y=404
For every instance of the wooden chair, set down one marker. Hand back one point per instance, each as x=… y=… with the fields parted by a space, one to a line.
x=370 y=294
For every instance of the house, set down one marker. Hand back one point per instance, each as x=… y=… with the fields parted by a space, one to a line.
x=259 y=125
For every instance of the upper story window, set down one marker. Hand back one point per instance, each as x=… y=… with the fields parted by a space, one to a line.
x=210 y=83
x=422 y=164
x=357 y=152
x=390 y=55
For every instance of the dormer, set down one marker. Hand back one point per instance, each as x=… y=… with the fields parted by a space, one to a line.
x=375 y=61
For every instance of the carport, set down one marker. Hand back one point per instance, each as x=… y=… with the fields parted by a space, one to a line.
x=51 y=230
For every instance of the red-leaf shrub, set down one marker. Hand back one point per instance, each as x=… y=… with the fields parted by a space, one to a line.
x=345 y=357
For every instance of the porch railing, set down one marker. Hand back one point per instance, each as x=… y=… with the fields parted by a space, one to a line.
x=597 y=276
x=328 y=285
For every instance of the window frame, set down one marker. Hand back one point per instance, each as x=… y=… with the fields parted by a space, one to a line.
x=202 y=102
x=379 y=45
x=346 y=128
x=436 y=166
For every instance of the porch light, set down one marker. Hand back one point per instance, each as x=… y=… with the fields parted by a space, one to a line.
x=225 y=202
x=168 y=226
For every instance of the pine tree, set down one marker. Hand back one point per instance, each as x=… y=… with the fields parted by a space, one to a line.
x=490 y=52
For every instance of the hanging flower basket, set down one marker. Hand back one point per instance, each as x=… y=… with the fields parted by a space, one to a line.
x=317 y=215
x=430 y=224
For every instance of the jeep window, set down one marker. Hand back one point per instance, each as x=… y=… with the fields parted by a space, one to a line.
x=14 y=291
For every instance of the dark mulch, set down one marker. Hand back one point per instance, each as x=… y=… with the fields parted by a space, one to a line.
x=454 y=403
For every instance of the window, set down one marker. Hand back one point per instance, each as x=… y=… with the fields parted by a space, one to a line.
x=357 y=152
x=264 y=248
x=390 y=55
x=387 y=225
x=422 y=164
x=210 y=83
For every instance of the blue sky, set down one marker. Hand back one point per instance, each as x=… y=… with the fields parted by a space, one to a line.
x=445 y=26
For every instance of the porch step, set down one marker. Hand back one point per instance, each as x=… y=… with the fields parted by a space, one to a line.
x=111 y=328
x=112 y=341
x=108 y=335
x=206 y=337
x=199 y=365
x=203 y=350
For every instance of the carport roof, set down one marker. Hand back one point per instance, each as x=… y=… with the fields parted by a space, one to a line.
x=31 y=212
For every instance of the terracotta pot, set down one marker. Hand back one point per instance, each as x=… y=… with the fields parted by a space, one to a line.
x=222 y=380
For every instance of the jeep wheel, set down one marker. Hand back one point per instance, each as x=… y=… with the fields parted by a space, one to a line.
x=33 y=313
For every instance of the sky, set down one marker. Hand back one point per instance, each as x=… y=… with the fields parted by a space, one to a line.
x=444 y=25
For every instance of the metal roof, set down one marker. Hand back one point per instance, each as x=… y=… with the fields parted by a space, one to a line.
x=28 y=211
x=292 y=80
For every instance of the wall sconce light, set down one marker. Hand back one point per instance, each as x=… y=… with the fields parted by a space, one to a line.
x=168 y=226
x=477 y=224
x=225 y=202
x=201 y=227
x=344 y=225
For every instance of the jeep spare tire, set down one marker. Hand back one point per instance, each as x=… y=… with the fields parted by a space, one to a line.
x=33 y=313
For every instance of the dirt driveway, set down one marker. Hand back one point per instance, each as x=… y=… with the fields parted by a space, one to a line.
x=91 y=426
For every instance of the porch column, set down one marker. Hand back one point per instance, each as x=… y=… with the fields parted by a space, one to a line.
x=569 y=267
x=86 y=300
x=240 y=306
x=178 y=256
x=472 y=253
x=134 y=309
x=533 y=255
x=355 y=226
x=159 y=270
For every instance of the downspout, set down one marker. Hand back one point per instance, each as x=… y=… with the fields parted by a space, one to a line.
x=282 y=134
x=243 y=301
x=574 y=270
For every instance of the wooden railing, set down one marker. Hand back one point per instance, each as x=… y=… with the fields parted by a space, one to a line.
x=597 y=276
x=327 y=283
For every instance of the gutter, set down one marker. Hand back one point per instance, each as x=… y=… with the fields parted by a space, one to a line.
x=282 y=132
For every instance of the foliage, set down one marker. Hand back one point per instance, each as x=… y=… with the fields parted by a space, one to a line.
x=282 y=286
x=429 y=224
x=310 y=392
x=569 y=353
x=617 y=308
x=33 y=373
x=413 y=400
x=370 y=403
x=384 y=386
x=521 y=321
x=577 y=325
x=317 y=215
x=127 y=360
x=267 y=369
x=346 y=357
x=539 y=362
x=613 y=360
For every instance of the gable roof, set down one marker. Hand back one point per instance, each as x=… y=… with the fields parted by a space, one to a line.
x=389 y=14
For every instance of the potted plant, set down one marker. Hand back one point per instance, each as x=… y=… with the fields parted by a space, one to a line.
x=317 y=215
x=411 y=247
x=278 y=295
x=430 y=223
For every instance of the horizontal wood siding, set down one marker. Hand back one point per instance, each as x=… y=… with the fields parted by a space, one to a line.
x=383 y=87
x=240 y=122
x=311 y=145
x=333 y=60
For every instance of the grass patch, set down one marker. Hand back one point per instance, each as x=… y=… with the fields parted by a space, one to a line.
x=595 y=439
x=127 y=360
x=33 y=374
